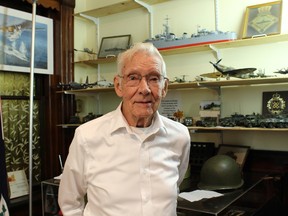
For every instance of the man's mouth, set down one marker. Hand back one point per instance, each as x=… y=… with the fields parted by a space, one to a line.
x=144 y=102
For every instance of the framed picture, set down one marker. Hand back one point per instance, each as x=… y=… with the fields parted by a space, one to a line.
x=274 y=103
x=112 y=46
x=15 y=42
x=237 y=152
x=18 y=183
x=210 y=105
x=262 y=19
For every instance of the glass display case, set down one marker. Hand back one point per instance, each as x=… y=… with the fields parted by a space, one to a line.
x=49 y=191
x=251 y=199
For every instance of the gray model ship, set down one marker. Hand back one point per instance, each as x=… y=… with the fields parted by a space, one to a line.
x=168 y=40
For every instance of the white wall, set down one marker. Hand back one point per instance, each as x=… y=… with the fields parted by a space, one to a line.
x=185 y=16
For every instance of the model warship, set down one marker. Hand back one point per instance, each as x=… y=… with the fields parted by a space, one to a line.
x=168 y=40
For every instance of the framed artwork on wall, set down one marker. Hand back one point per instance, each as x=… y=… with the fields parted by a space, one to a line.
x=16 y=38
x=112 y=46
x=275 y=103
x=237 y=152
x=262 y=19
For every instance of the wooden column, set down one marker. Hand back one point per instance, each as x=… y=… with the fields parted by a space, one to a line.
x=59 y=107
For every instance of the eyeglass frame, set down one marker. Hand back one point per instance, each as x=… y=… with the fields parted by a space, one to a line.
x=140 y=77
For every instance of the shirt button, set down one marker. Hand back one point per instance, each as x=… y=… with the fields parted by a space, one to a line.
x=145 y=198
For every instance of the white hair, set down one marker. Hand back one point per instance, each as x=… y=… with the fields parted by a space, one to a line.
x=148 y=48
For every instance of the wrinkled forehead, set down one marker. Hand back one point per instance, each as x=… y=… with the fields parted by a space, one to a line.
x=143 y=60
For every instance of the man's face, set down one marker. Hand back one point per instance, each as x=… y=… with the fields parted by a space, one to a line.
x=141 y=101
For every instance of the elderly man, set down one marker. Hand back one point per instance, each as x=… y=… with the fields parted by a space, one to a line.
x=131 y=161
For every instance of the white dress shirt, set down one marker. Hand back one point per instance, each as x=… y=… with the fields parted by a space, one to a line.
x=124 y=171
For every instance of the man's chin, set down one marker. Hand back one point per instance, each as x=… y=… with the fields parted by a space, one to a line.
x=144 y=113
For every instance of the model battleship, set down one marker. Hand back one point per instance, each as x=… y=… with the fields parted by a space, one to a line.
x=168 y=40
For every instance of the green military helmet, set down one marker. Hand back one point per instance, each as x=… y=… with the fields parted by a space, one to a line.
x=220 y=172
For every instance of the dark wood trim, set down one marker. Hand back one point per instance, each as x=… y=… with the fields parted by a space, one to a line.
x=54 y=4
x=59 y=106
x=69 y=3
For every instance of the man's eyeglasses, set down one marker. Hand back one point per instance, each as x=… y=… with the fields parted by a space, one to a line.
x=133 y=80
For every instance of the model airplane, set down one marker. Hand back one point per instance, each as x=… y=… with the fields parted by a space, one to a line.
x=76 y=85
x=179 y=80
x=224 y=71
x=86 y=50
x=105 y=83
x=282 y=71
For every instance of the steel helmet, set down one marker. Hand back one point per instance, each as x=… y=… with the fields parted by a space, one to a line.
x=220 y=172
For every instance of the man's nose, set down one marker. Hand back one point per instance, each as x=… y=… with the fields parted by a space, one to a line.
x=144 y=86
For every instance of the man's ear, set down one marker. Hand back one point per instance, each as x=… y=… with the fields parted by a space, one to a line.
x=165 y=88
x=118 y=86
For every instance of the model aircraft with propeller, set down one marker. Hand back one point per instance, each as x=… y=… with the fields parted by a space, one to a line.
x=76 y=85
x=224 y=71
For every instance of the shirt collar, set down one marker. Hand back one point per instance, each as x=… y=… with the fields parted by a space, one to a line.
x=120 y=122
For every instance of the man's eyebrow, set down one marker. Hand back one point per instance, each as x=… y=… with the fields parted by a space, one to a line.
x=133 y=72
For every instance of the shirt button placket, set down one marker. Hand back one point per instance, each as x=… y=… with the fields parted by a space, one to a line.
x=145 y=182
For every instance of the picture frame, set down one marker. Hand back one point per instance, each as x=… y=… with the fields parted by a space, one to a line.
x=262 y=19
x=113 y=45
x=18 y=183
x=210 y=105
x=274 y=103
x=16 y=40
x=237 y=152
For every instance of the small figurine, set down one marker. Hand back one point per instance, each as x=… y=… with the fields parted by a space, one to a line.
x=178 y=115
